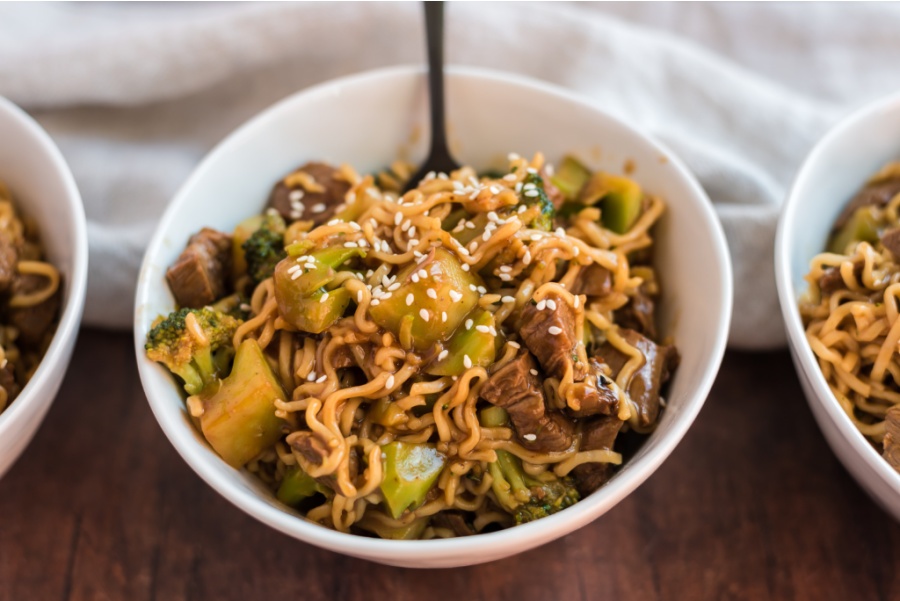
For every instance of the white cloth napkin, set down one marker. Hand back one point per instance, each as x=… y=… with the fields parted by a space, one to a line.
x=135 y=94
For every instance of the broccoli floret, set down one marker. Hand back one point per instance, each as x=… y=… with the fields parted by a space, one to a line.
x=195 y=344
x=544 y=221
x=265 y=248
x=527 y=498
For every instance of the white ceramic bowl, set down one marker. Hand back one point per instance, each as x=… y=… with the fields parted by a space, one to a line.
x=44 y=189
x=366 y=120
x=835 y=169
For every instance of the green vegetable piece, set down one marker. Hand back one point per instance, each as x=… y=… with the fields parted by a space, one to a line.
x=241 y=234
x=570 y=177
x=467 y=234
x=264 y=248
x=478 y=346
x=299 y=248
x=410 y=470
x=528 y=498
x=451 y=295
x=620 y=199
x=544 y=220
x=198 y=356
x=239 y=420
x=386 y=413
x=411 y=531
x=493 y=417
x=296 y=486
x=302 y=300
x=861 y=227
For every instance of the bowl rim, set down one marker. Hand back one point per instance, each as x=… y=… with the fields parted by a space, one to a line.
x=497 y=543
x=788 y=296
x=70 y=317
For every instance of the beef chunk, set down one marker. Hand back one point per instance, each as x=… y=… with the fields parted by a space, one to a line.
x=294 y=202
x=878 y=194
x=310 y=446
x=198 y=276
x=595 y=393
x=516 y=388
x=649 y=378
x=598 y=433
x=9 y=257
x=638 y=314
x=891 y=241
x=594 y=280
x=892 y=437
x=549 y=333
x=831 y=279
x=452 y=520
x=36 y=321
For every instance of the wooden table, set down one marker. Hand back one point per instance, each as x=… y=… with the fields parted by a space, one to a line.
x=752 y=505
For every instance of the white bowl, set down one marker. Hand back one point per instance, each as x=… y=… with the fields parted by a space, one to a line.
x=366 y=120
x=835 y=169
x=43 y=188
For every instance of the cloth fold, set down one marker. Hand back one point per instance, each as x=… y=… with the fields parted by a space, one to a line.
x=136 y=94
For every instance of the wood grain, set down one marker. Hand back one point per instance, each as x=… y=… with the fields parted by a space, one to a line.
x=752 y=505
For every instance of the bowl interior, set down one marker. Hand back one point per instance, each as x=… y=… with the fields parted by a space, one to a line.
x=836 y=168
x=371 y=119
x=44 y=190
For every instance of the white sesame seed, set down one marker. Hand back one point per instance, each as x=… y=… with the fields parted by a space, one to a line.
x=413 y=242
x=318 y=208
x=443 y=355
x=575 y=251
x=486 y=235
x=394 y=286
x=355 y=226
x=518 y=187
x=508 y=299
x=535 y=237
x=422 y=273
x=465 y=267
x=554 y=330
x=311 y=376
x=541 y=305
x=310 y=265
x=359 y=296
x=467 y=361
x=510 y=177
x=505 y=277
x=533 y=372
x=456 y=296
x=505 y=268
x=531 y=193
x=551 y=304
x=532 y=170
x=363 y=243
x=389 y=383
x=482 y=289
x=472 y=288
x=375 y=302
x=521 y=209
x=492 y=216
x=435 y=269
x=409 y=299
x=470 y=225
x=385 y=247
x=398 y=217
x=514 y=344
x=323 y=298
x=415 y=278
x=293 y=268
x=350 y=244
x=526 y=258
x=295 y=195
x=423 y=313
x=412 y=231
x=444 y=316
x=431 y=293
x=577 y=301
x=529 y=437
x=529 y=186
x=469 y=323
x=483 y=329
x=406 y=225
x=296 y=274
x=321 y=378
x=560 y=232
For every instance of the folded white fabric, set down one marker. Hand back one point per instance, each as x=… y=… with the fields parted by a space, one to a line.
x=135 y=94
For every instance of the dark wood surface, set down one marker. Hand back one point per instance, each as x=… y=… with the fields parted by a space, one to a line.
x=752 y=505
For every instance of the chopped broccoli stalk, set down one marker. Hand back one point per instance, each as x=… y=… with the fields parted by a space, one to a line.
x=296 y=486
x=571 y=177
x=195 y=344
x=264 y=248
x=619 y=197
x=544 y=220
x=527 y=498
x=238 y=419
x=411 y=531
x=471 y=342
x=410 y=470
x=862 y=226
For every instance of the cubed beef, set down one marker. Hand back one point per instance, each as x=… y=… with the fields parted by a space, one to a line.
x=198 y=276
x=293 y=201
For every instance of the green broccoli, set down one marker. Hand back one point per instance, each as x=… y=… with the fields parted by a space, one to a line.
x=265 y=248
x=195 y=344
x=544 y=221
x=527 y=498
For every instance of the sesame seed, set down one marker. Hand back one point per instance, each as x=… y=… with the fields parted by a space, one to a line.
x=486 y=235
x=465 y=267
x=526 y=258
x=560 y=232
x=575 y=251
x=333 y=222
x=394 y=286
x=482 y=289
x=532 y=170
x=295 y=195
x=531 y=193
x=431 y=293
x=350 y=245
x=492 y=216
x=508 y=299
x=413 y=242
x=435 y=269
x=470 y=225
x=529 y=437
x=472 y=288
x=409 y=299
x=293 y=268
x=554 y=330
x=406 y=225
x=423 y=313
x=318 y=208
x=443 y=355
x=311 y=376
x=467 y=362
x=323 y=298
x=456 y=296
x=514 y=344
x=577 y=301
x=422 y=273
x=310 y=265
x=483 y=329
x=469 y=323
x=296 y=274
x=412 y=231
x=389 y=383
x=505 y=268
x=321 y=378
x=375 y=302
x=385 y=247
x=518 y=187
x=551 y=304
x=495 y=189
x=505 y=277
x=536 y=237
x=541 y=305
x=444 y=316
x=415 y=278
x=510 y=177
x=521 y=209
x=363 y=243
x=398 y=217
x=529 y=186
x=359 y=296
